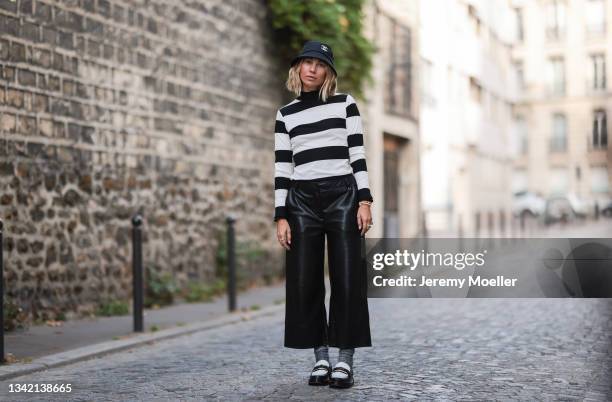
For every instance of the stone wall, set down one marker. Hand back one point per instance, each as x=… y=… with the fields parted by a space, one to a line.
x=109 y=108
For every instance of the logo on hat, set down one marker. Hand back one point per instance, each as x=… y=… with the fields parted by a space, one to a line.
x=324 y=48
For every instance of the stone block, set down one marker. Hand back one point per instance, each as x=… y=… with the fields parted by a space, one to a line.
x=43 y=12
x=9 y=25
x=14 y=97
x=40 y=103
x=8 y=122
x=10 y=6
x=49 y=35
x=26 y=125
x=26 y=77
x=30 y=31
x=25 y=7
x=54 y=83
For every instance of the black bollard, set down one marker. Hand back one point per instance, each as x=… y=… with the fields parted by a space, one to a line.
x=424 y=231
x=477 y=229
x=502 y=226
x=137 y=277
x=1 y=294
x=490 y=219
x=231 y=263
x=460 y=233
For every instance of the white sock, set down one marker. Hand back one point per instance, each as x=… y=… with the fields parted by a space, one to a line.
x=339 y=374
x=321 y=371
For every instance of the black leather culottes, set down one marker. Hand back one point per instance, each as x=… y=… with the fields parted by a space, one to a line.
x=315 y=209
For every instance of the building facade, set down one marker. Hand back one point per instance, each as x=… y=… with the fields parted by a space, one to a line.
x=466 y=121
x=391 y=118
x=561 y=58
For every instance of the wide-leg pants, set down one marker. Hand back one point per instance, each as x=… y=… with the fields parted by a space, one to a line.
x=319 y=208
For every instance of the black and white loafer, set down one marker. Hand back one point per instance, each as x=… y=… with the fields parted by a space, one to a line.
x=321 y=373
x=343 y=381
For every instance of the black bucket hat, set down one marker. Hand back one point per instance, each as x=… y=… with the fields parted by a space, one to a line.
x=318 y=50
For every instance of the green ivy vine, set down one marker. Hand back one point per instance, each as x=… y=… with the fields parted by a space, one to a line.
x=336 y=22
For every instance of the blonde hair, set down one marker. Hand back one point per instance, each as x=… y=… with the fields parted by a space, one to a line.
x=327 y=89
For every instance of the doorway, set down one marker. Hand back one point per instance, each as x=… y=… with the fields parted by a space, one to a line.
x=391 y=172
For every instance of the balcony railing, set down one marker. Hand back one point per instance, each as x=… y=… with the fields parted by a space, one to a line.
x=599 y=144
x=555 y=34
x=596 y=88
x=596 y=31
x=558 y=144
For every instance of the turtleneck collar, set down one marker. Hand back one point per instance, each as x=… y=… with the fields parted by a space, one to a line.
x=309 y=96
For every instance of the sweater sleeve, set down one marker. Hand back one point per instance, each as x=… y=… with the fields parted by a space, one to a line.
x=356 y=149
x=283 y=167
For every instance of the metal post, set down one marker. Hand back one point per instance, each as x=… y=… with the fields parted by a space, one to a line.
x=231 y=263
x=460 y=233
x=477 y=230
x=502 y=226
x=1 y=294
x=490 y=228
x=137 y=277
x=424 y=231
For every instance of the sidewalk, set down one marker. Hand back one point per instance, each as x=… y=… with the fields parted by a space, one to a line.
x=90 y=337
x=589 y=228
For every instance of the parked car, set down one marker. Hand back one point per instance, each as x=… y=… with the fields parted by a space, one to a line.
x=528 y=204
x=564 y=208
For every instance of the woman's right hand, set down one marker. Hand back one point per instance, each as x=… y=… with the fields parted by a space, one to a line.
x=283 y=233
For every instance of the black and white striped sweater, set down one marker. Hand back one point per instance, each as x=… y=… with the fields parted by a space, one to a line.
x=316 y=139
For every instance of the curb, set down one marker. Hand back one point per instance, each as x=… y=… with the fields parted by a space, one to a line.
x=135 y=340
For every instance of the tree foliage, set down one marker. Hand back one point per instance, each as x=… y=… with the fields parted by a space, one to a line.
x=338 y=23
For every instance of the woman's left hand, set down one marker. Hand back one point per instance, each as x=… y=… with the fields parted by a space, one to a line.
x=364 y=218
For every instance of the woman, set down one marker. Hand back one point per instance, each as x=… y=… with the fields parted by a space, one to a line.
x=321 y=189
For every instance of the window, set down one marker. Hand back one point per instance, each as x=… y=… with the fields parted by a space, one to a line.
x=520 y=32
x=595 y=13
x=427 y=91
x=597 y=72
x=495 y=112
x=519 y=180
x=599 y=179
x=555 y=19
x=556 y=75
x=558 y=140
x=399 y=74
x=519 y=70
x=559 y=180
x=522 y=139
x=600 y=129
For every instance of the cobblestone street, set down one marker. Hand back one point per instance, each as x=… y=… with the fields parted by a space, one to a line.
x=439 y=349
